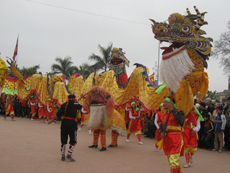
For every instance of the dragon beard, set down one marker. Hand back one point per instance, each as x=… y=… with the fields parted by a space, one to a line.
x=175 y=68
x=98 y=117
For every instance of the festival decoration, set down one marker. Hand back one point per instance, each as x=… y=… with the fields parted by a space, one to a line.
x=183 y=62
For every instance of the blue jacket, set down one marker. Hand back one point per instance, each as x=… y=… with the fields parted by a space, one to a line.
x=220 y=123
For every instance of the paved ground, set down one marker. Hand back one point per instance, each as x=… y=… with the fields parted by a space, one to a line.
x=28 y=146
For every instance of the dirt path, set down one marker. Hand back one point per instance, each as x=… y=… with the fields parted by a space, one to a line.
x=28 y=146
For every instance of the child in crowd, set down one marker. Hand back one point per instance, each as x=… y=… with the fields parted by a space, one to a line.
x=208 y=130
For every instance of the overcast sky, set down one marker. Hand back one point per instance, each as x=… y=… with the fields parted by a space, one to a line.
x=76 y=29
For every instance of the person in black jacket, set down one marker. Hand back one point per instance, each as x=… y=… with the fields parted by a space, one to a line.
x=208 y=132
x=68 y=113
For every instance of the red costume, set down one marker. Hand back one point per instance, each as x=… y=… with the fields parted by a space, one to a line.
x=173 y=140
x=33 y=108
x=159 y=117
x=9 y=107
x=41 y=111
x=50 y=111
x=191 y=127
x=134 y=124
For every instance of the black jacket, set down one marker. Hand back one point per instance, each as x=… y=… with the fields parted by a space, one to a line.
x=70 y=111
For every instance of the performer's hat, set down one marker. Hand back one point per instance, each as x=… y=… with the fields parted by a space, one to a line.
x=133 y=103
x=71 y=96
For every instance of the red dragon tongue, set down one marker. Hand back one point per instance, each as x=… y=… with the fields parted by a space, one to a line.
x=166 y=50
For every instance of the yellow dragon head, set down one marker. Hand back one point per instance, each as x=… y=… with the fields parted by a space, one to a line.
x=183 y=32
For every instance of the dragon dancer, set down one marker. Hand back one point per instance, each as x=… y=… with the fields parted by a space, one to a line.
x=171 y=133
x=159 y=117
x=68 y=112
x=191 y=127
x=33 y=107
x=50 y=110
x=9 y=107
x=41 y=111
x=134 y=124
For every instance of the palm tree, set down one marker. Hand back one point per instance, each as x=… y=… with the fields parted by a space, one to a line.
x=102 y=62
x=63 y=66
x=85 y=70
x=73 y=70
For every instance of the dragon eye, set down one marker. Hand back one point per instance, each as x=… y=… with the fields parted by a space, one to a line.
x=185 y=28
x=165 y=30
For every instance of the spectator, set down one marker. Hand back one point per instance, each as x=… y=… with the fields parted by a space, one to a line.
x=208 y=106
x=214 y=114
x=17 y=106
x=226 y=108
x=208 y=131
x=24 y=108
x=219 y=129
x=227 y=128
x=203 y=112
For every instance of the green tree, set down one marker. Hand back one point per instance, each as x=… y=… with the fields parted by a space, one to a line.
x=104 y=61
x=222 y=50
x=26 y=71
x=29 y=71
x=63 y=66
x=85 y=70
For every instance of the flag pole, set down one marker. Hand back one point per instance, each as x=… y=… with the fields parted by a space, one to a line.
x=17 y=50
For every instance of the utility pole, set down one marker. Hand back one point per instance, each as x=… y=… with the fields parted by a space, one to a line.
x=158 y=66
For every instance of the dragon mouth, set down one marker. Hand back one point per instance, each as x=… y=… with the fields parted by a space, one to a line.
x=116 y=61
x=173 y=49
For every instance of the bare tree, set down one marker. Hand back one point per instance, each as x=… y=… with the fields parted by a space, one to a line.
x=222 y=50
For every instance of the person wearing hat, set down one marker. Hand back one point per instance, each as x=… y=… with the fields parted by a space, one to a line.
x=171 y=132
x=50 y=111
x=68 y=112
x=9 y=107
x=191 y=127
x=134 y=124
x=33 y=107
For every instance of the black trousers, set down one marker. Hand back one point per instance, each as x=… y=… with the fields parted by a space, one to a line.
x=227 y=138
x=72 y=135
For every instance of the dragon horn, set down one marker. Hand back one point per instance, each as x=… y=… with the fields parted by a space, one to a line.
x=197 y=11
x=189 y=13
x=200 y=19
x=154 y=22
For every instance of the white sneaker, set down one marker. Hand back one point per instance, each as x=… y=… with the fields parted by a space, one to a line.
x=79 y=128
x=191 y=159
x=32 y=119
x=220 y=151
x=140 y=143
x=53 y=123
x=90 y=132
x=187 y=165
x=39 y=121
x=127 y=140
x=156 y=150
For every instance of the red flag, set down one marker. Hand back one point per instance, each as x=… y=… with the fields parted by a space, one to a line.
x=151 y=77
x=15 y=51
